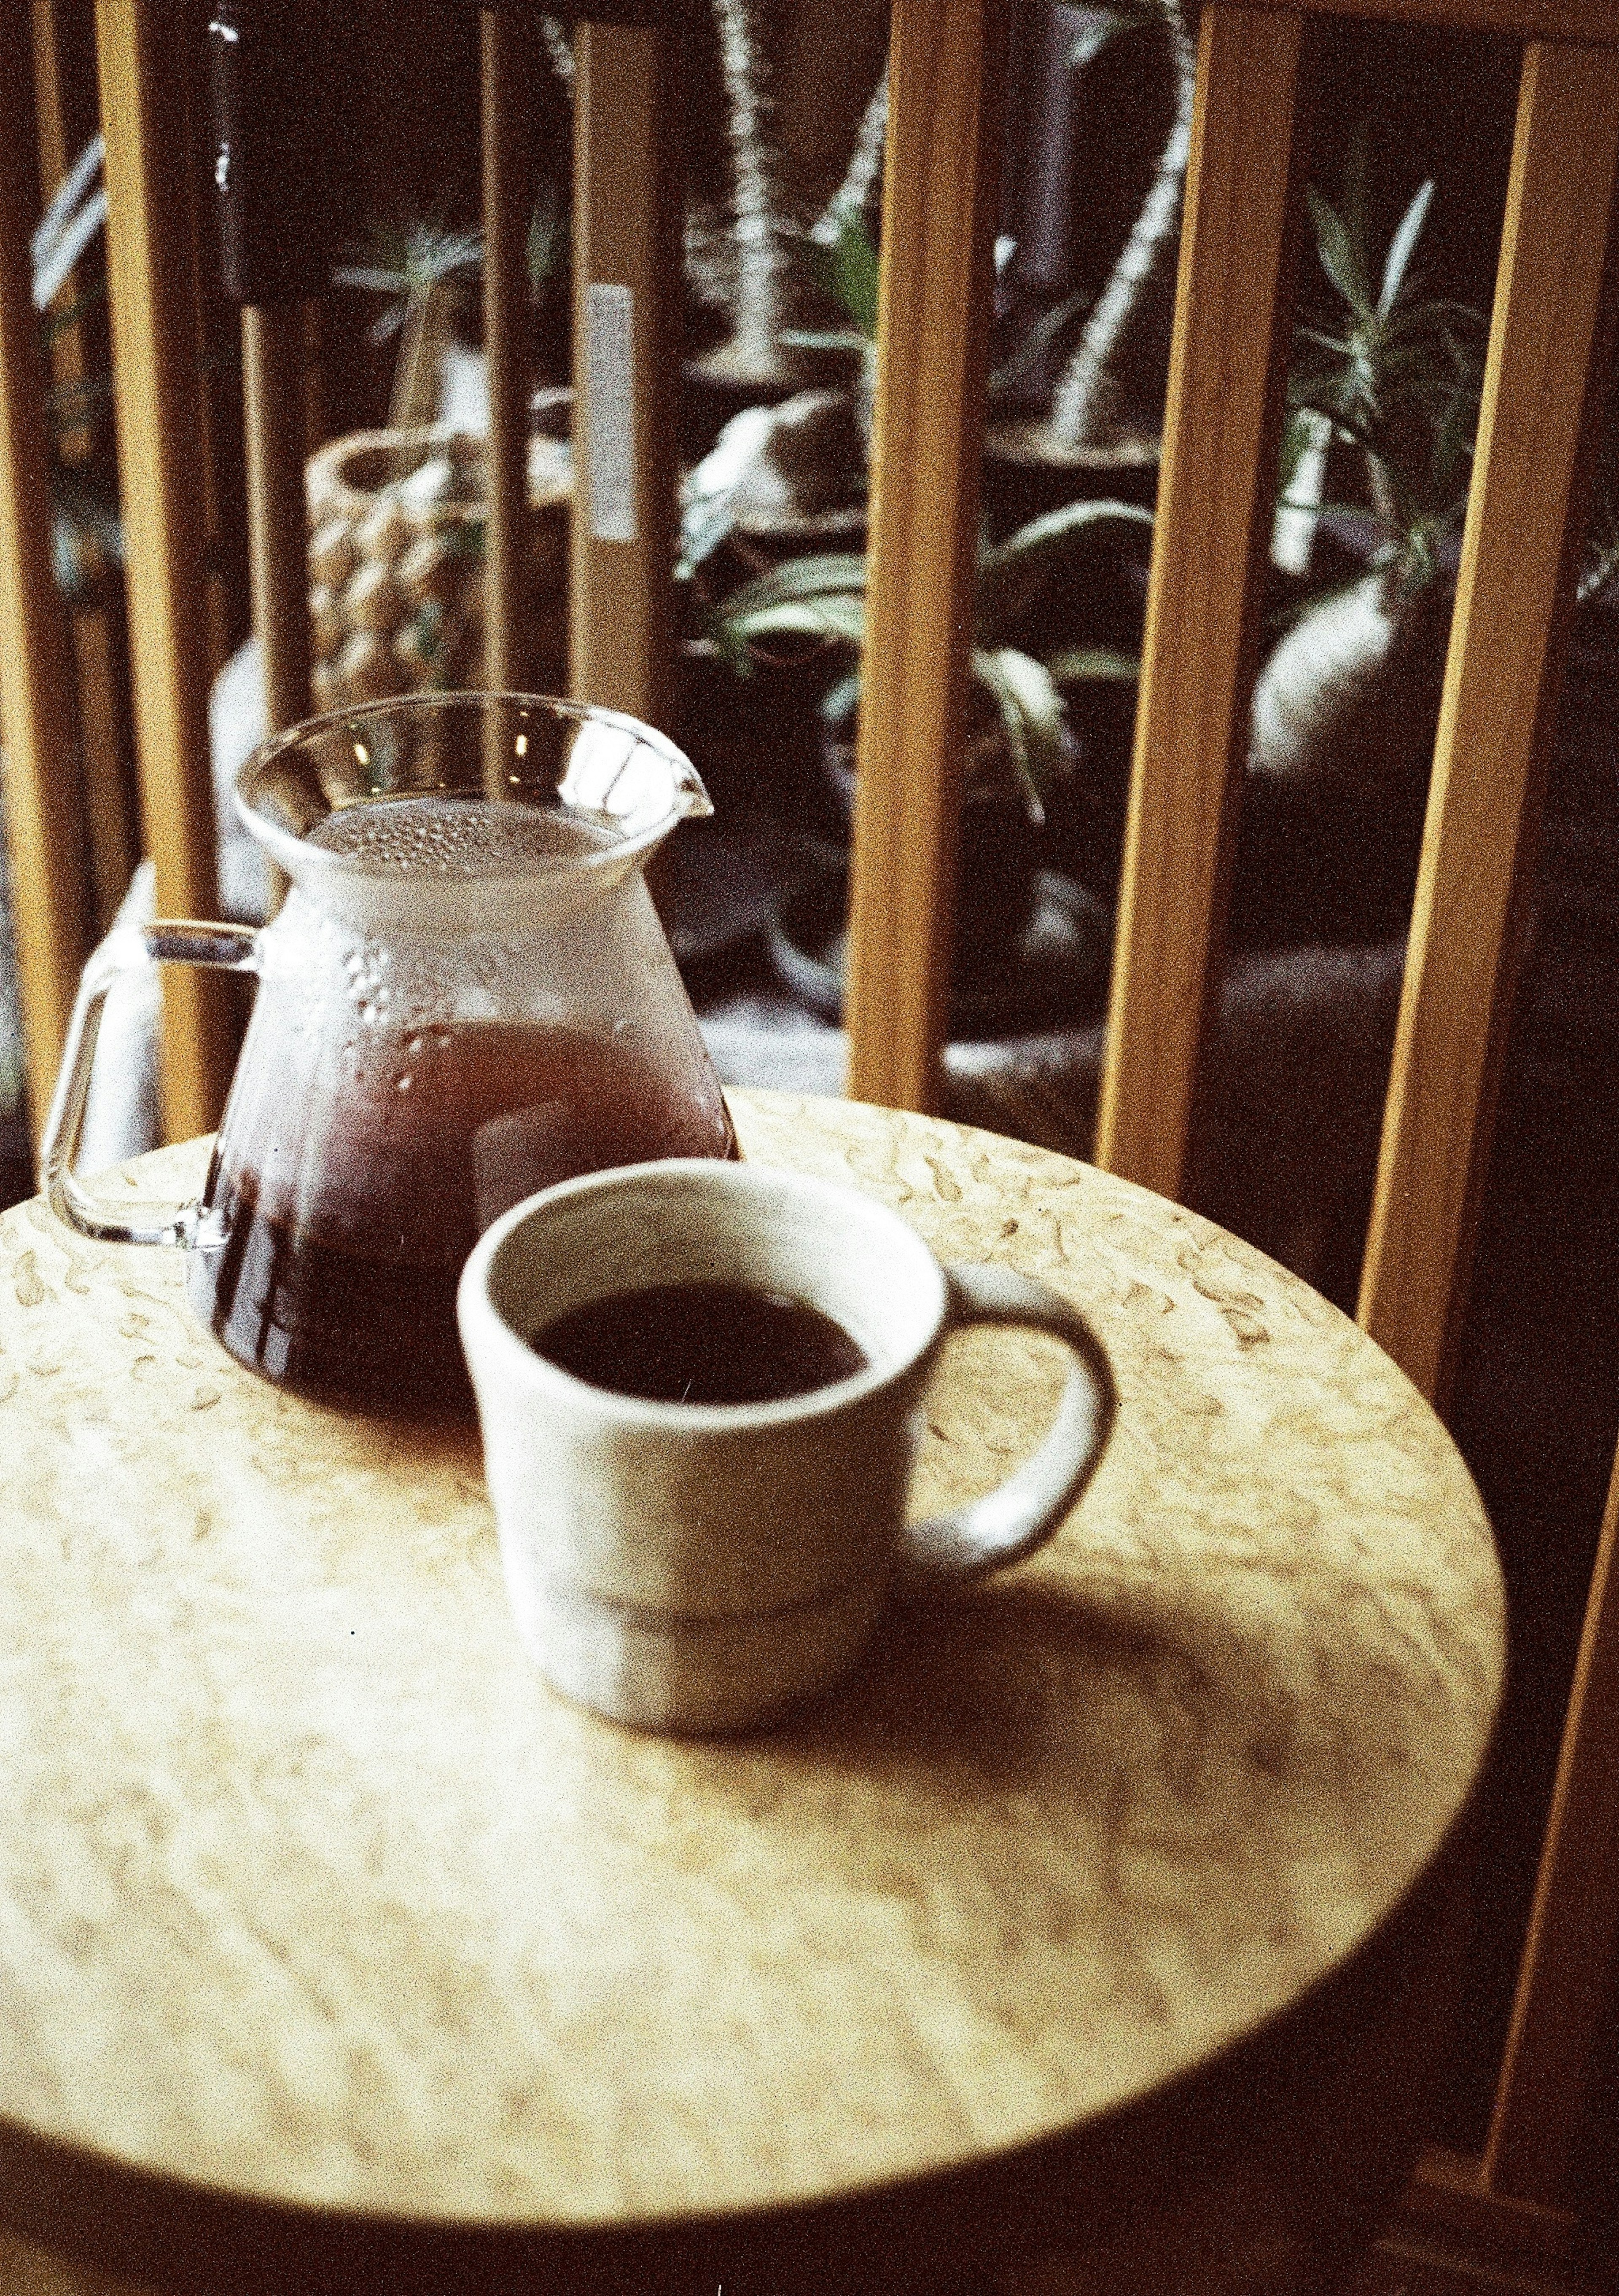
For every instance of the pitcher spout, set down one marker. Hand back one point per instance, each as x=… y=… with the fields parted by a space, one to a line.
x=620 y=768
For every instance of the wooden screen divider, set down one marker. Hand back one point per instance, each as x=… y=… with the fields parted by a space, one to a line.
x=508 y=621
x=1215 y=491
x=43 y=824
x=1549 y=343
x=148 y=268
x=626 y=314
x=64 y=107
x=275 y=435
x=941 y=181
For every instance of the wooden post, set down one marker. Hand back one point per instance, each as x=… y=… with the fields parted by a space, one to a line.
x=44 y=832
x=160 y=462
x=1549 y=346
x=1233 y=313
x=1567 y=1964
x=946 y=59
x=626 y=332
x=507 y=604
x=273 y=337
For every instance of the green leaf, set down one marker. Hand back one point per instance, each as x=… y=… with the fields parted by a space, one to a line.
x=839 y=702
x=1408 y=231
x=831 y=618
x=1011 y=574
x=1038 y=340
x=828 y=574
x=1341 y=258
x=548 y=252
x=1076 y=665
x=849 y=268
x=824 y=338
x=1032 y=715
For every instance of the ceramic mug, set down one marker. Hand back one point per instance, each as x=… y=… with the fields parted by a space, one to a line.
x=702 y=1566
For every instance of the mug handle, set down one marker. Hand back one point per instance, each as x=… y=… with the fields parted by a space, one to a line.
x=131 y=948
x=1022 y=1514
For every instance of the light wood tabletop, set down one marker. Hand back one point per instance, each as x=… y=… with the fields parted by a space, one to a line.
x=323 y=1921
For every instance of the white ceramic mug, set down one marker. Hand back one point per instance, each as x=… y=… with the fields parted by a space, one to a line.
x=698 y=1567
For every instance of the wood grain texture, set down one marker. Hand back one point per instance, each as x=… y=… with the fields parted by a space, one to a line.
x=273 y=398
x=1564 y=1978
x=44 y=827
x=1589 y=22
x=161 y=473
x=508 y=639
x=64 y=114
x=938 y=213
x=310 y=1889
x=626 y=233
x=1232 y=315
x=1549 y=340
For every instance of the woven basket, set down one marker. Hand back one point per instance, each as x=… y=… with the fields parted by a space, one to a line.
x=396 y=531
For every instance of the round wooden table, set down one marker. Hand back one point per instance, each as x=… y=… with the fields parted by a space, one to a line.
x=335 y=1947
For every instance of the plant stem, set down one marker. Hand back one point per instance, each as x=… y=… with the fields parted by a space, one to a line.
x=559 y=49
x=1084 y=407
x=854 y=192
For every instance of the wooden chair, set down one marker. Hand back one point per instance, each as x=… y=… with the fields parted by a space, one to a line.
x=1552 y=334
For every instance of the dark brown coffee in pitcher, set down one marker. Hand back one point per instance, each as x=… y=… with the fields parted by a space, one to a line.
x=467 y=996
x=351 y=1297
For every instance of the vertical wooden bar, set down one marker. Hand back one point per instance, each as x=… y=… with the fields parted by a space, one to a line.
x=65 y=122
x=946 y=67
x=274 y=410
x=1567 y=1964
x=43 y=833
x=1216 y=487
x=64 y=77
x=626 y=332
x=507 y=607
x=154 y=348
x=1549 y=342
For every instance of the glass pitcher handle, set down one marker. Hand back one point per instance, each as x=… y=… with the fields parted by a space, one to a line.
x=232 y=948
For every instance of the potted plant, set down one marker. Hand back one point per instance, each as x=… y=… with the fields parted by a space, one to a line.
x=1020 y=747
x=1099 y=427
x=1385 y=392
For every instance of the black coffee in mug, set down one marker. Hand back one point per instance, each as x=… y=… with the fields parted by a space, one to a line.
x=711 y=1343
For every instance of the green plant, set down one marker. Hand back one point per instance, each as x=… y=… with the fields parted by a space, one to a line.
x=422 y=270
x=1393 y=373
x=1394 y=377
x=1018 y=736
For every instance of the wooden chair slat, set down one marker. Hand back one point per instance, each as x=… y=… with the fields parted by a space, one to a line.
x=64 y=106
x=625 y=309
x=274 y=406
x=1592 y=23
x=44 y=833
x=158 y=390
x=945 y=71
x=1562 y=1989
x=508 y=638
x=1525 y=522
x=1215 y=492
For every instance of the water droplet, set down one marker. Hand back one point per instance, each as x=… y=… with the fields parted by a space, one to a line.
x=403 y=1082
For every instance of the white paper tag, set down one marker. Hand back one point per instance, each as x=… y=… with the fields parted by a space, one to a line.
x=610 y=380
